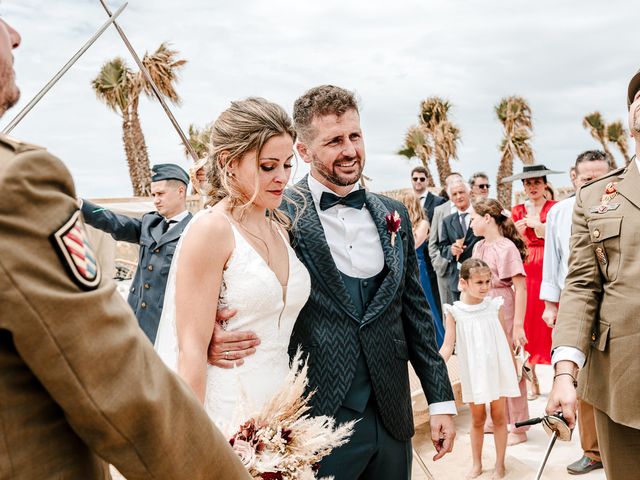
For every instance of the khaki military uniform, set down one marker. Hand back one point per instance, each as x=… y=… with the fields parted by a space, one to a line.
x=600 y=310
x=80 y=385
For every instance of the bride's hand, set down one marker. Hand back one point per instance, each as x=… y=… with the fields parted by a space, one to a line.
x=227 y=349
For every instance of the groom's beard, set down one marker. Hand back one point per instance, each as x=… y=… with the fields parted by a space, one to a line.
x=341 y=180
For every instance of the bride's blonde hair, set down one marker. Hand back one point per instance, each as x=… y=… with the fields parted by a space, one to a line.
x=246 y=126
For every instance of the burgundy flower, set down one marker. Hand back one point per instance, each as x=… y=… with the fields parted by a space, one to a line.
x=271 y=476
x=393 y=225
x=286 y=435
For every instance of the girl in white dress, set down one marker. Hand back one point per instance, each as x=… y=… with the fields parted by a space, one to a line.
x=475 y=326
x=237 y=254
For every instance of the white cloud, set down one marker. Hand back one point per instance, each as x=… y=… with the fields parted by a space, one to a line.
x=567 y=58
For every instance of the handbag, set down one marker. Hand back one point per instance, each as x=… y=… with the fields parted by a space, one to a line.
x=521 y=357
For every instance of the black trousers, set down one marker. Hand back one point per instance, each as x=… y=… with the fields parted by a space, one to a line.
x=371 y=453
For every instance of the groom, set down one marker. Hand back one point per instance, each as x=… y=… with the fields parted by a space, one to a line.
x=367 y=315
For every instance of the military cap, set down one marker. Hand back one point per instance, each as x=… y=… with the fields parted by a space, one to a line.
x=169 y=171
x=634 y=86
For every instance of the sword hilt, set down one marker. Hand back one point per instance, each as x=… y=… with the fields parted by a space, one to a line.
x=531 y=421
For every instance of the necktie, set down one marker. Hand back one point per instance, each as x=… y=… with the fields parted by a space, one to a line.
x=354 y=200
x=463 y=222
x=166 y=224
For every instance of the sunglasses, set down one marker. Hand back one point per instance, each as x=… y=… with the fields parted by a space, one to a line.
x=419 y=179
x=483 y=186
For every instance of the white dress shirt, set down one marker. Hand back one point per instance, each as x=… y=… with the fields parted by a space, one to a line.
x=356 y=249
x=173 y=221
x=556 y=249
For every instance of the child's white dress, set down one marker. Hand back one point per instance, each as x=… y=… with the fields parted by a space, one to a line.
x=485 y=362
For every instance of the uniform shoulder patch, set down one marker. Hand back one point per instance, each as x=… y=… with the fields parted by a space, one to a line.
x=72 y=244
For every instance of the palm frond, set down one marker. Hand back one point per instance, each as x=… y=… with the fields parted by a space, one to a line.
x=163 y=66
x=114 y=86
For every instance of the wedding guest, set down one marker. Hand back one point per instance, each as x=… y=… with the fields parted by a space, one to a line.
x=475 y=327
x=157 y=233
x=420 y=227
x=479 y=184
x=589 y=165
x=530 y=219
x=439 y=263
x=598 y=314
x=367 y=315
x=81 y=385
x=456 y=240
x=504 y=250
x=549 y=192
x=429 y=202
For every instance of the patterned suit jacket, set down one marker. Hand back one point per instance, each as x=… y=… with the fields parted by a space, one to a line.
x=395 y=328
x=146 y=295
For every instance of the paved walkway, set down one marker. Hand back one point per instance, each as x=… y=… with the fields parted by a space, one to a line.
x=522 y=460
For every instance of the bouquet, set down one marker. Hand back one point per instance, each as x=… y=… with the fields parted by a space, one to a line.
x=283 y=442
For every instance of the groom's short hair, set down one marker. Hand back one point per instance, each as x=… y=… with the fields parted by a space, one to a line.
x=318 y=102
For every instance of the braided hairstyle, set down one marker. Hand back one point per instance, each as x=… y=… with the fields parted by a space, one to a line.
x=492 y=207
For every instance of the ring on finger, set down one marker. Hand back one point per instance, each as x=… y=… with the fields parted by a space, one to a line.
x=226 y=355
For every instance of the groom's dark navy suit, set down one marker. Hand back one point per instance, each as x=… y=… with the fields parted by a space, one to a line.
x=360 y=334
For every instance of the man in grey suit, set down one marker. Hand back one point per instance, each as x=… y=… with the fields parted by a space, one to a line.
x=440 y=264
x=157 y=233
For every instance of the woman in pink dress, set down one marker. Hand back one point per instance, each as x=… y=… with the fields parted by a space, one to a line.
x=530 y=218
x=504 y=250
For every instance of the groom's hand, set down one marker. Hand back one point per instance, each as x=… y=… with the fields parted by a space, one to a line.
x=443 y=432
x=227 y=349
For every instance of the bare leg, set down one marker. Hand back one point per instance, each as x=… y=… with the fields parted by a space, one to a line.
x=478 y=417
x=499 y=417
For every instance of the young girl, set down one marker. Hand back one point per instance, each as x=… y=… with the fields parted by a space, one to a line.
x=504 y=250
x=487 y=371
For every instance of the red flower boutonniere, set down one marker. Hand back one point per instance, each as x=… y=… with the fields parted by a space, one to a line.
x=393 y=225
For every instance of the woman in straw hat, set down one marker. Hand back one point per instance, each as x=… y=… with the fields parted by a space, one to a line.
x=530 y=218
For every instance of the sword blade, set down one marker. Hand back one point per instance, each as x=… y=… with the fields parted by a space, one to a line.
x=422 y=465
x=154 y=88
x=12 y=124
x=546 y=455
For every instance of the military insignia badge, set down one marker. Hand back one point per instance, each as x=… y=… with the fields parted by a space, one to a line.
x=610 y=193
x=77 y=255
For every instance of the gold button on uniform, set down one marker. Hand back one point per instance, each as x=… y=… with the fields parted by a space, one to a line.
x=143 y=305
x=157 y=250
x=593 y=337
x=146 y=285
x=596 y=233
x=150 y=268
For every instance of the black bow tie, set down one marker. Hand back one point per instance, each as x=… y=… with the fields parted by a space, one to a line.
x=354 y=200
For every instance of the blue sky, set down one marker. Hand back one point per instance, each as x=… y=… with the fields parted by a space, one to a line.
x=566 y=58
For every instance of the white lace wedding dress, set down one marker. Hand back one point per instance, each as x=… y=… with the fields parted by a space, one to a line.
x=264 y=307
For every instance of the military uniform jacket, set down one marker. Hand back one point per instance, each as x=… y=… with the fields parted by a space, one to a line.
x=80 y=385
x=600 y=304
x=396 y=326
x=146 y=295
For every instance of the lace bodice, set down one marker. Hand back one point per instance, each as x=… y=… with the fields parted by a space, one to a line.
x=264 y=307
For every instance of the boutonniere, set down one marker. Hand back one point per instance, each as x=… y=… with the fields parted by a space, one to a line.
x=393 y=225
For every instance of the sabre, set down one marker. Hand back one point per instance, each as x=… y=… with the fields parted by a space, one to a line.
x=12 y=124
x=546 y=455
x=422 y=465
x=154 y=88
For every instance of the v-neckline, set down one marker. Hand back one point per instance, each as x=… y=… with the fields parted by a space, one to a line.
x=284 y=286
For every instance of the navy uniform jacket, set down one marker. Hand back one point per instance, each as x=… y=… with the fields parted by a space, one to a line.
x=146 y=295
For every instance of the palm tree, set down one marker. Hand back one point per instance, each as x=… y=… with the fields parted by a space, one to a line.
x=597 y=127
x=515 y=115
x=444 y=135
x=199 y=140
x=416 y=144
x=119 y=88
x=617 y=134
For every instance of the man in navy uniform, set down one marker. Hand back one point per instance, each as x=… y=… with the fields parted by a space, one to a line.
x=157 y=233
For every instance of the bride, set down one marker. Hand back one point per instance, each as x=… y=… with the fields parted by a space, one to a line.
x=237 y=254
